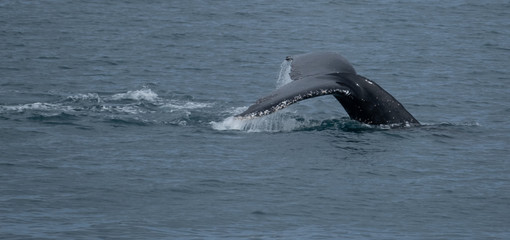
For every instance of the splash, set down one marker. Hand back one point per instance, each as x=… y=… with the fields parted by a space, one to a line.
x=275 y=122
x=279 y=121
x=271 y=123
x=38 y=106
x=139 y=106
x=85 y=97
x=282 y=121
x=144 y=94
x=185 y=105
x=284 y=75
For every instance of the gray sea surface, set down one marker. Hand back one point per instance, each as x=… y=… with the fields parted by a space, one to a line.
x=116 y=121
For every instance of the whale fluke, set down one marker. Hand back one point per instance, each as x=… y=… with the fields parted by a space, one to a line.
x=326 y=73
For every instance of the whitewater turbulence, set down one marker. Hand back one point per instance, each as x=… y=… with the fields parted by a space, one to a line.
x=276 y=122
x=142 y=106
x=281 y=121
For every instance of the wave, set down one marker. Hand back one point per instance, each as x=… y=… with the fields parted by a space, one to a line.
x=138 y=107
x=82 y=101
x=61 y=118
x=84 y=97
x=38 y=106
x=185 y=105
x=145 y=94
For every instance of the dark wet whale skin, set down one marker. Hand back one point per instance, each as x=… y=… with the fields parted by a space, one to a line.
x=327 y=73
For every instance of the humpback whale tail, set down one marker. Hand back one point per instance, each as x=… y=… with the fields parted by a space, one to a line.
x=326 y=73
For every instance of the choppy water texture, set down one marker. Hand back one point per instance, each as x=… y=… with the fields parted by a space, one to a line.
x=115 y=121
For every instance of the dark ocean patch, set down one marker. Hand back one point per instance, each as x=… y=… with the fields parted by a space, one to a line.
x=57 y=119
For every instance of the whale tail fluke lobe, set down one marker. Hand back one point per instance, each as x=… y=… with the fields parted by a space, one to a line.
x=293 y=92
x=325 y=73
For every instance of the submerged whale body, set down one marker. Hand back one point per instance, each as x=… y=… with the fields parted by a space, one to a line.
x=327 y=73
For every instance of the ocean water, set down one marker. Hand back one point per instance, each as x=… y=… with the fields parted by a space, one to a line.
x=116 y=121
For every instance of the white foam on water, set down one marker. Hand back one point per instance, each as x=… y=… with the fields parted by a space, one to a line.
x=36 y=106
x=145 y=94
x=122 y=109
x=276 y=122
x=85 y=97
x=185 y=105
